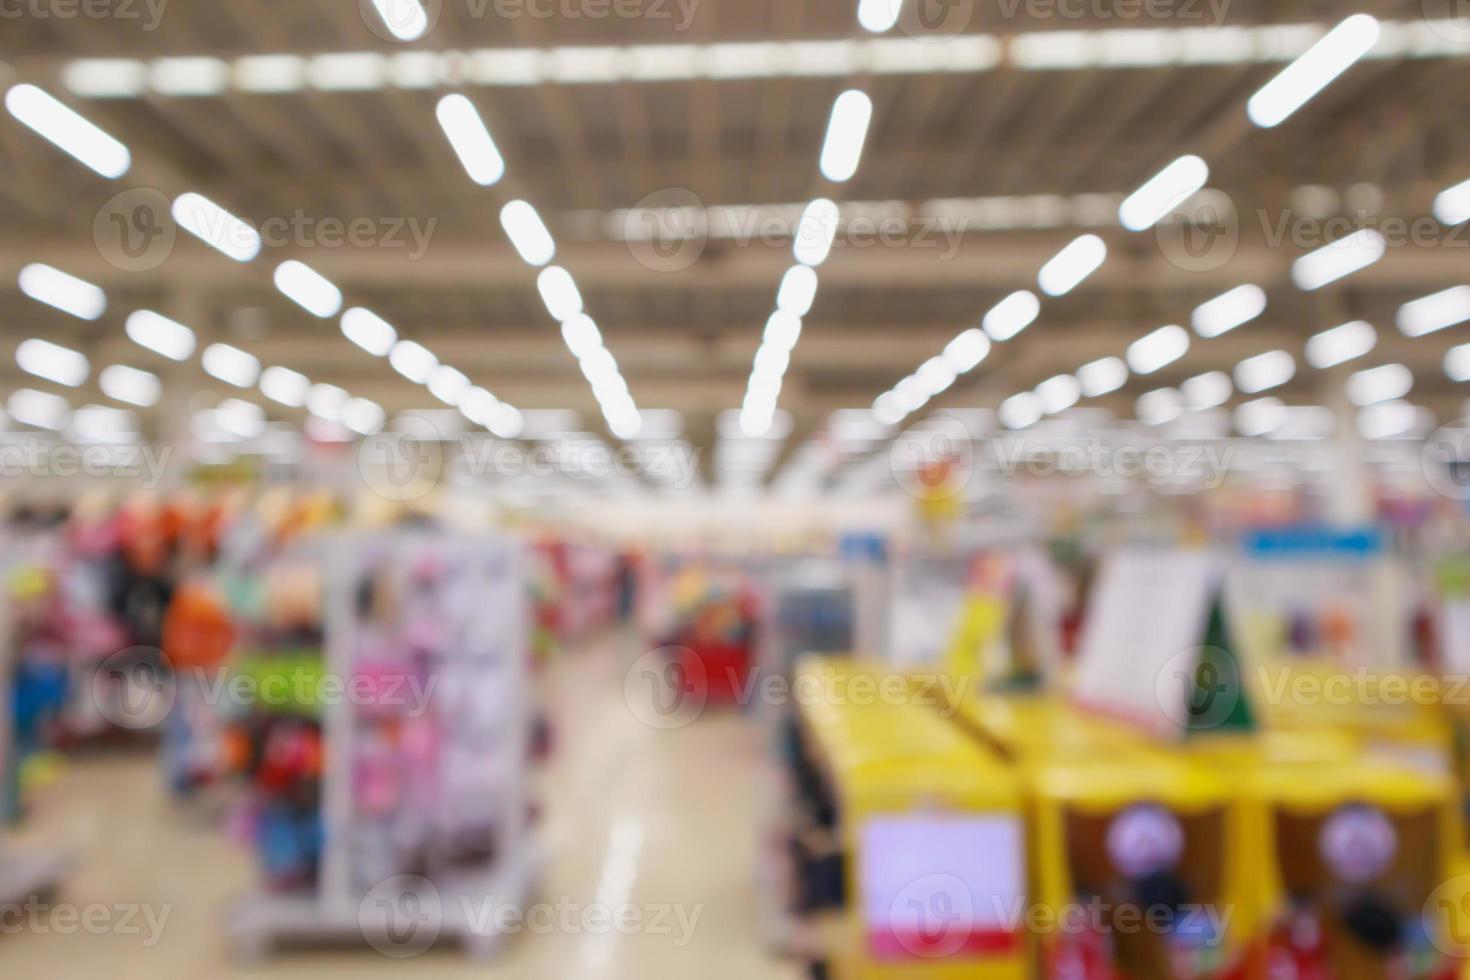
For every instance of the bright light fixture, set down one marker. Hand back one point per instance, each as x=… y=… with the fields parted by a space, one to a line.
x=285 y=386
x=161 y=335
x=935 y=375
x=216 y=227
x=53 y=362
x=879 y=16
x=798 y=291
x=1158 y=349
x=325 y=401
x=847 y=130
x=308 y=288
x=231 y=365
x=369 y=331
x=559 y=292
x=405 y=19
x=527 y=233
x=470 y=139
x=1260 y=417
x=1229 y=310
x=126 y=384
x=1452 y=205
x=967 y=350
x=782 y=332
x=195 y=75
x=1264 y=372
x=1158 y=407
x=1071 y=265
x=1059 y=393
x=1021 y=410
x=1148 y=205
x=816 y=232
x=55 y=122
x=38 y=408
x=505 y=422
x=1381 y=384
x=1388 y=420
x=362 y=416
x=447 y=384
x=1457 y=363
x=581 y=334
x=1103 y=376
x=1209 y=390
x=1309 y=74
x=1342 y=258
x=67 y=293
x=1435 y=312
x=1012 y=315
x=413 y=360
x=1341 y=344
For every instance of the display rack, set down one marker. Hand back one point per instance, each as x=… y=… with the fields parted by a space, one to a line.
x=459 y=807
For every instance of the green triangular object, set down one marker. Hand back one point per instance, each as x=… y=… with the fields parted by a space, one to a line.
x=1220 y=702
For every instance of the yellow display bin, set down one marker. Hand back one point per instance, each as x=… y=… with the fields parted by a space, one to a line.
x=931 y=823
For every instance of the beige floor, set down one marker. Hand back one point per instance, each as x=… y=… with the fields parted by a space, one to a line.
x=632 y=815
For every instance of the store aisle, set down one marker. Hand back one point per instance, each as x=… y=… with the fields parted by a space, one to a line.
x=662 y=821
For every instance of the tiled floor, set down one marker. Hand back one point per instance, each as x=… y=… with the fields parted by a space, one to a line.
x=633 y=815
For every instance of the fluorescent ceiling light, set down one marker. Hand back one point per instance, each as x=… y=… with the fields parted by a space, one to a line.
x=1341 y=344
x=1452 y=205
x=231 y=365
x=350 y=71
x=527 y=233
x=1021 y=410
x=362 y=416
x=1209 y=390
x=38 y=408
x=1012 y=315
x=413 y=360
x=55 y=122
x=798 y=291
x=477 y=405
x=1059 y=393
x=471 y=140
x=879 y=16
x=67 y=293
x=771 y=360
x=126 y=384
x=782 y=331
x=1380 y=384
x=447 y=384
x=325 y=401
x=161 y=335
x=1457 y=363
x=967 y=350
x=1309 y=74
x=1148 y=205
x=559 y=292
x=99 y=424
x=369 y=331
x=106 y=78
x=308 y=288
x=1264 y=371
x=1158 y=349
x=1342 y=258
x=1435 y=312
x=1229 y=310
x=270 y=73
x=816 y=232
x=505 y=421
x=1389 y=420
x=189 y=76
x=1071 y=265
x=216 y=227
x=1260 y=417
x=1102 y=377
x=239 y=418
x=936 y=376
x=285 y=386
x=1158 y=407
x=53 y=362
x=581 y=335
x=404 y=19
x=846 y=132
